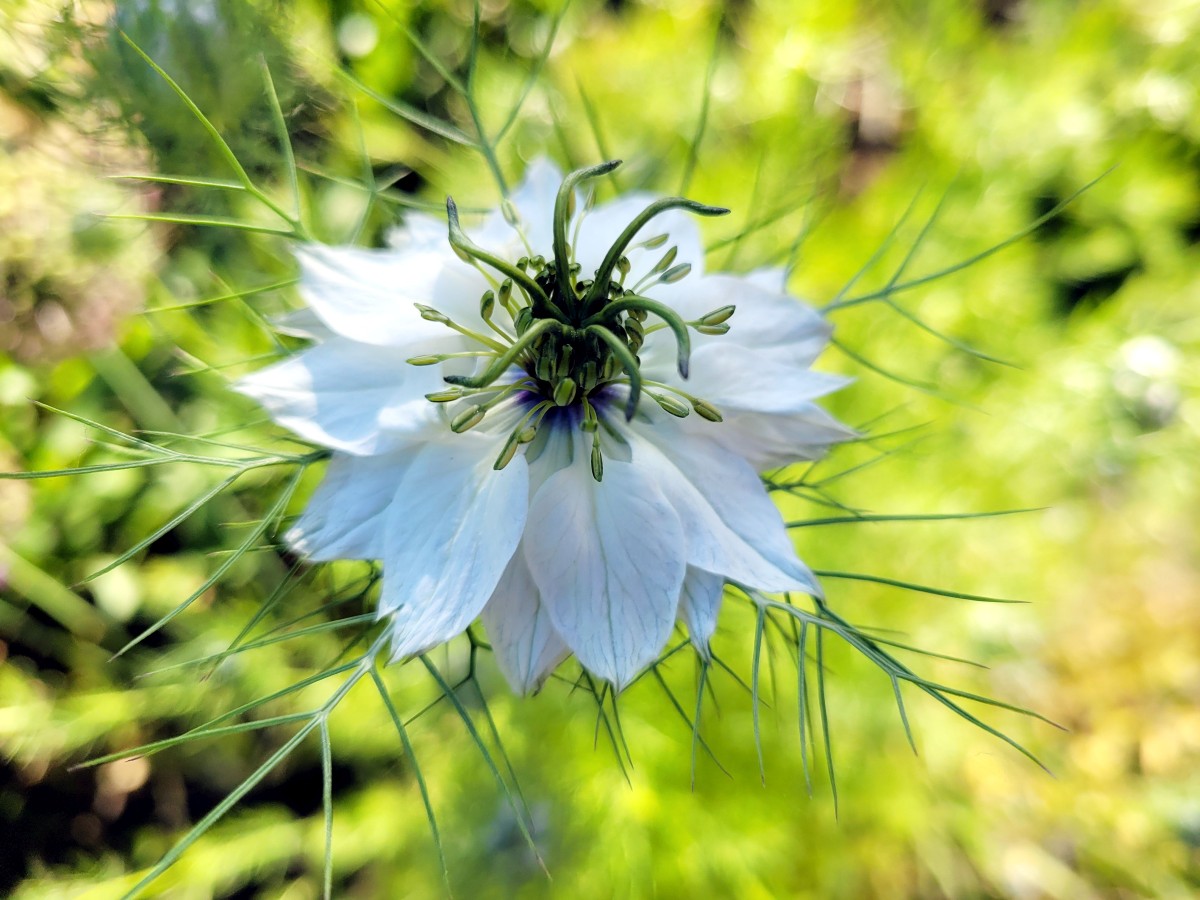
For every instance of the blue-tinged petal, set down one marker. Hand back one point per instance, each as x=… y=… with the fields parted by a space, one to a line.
x=347 y=515
x=526 y=646
x=710 y=543
x=768 y=440
x=368 y=295
x=349 y=396
x=608 y=559
x=699 y=605
x=451 y=530
x=736 y=494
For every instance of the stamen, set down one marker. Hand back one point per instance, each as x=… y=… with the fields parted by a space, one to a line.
x=429 y=314
x=678 y=273
x=513 y=218
x=702 y=407
x=522 y=434
x=463 y=244
x=502 y=363
x=467 y=419
x=564 y=392
x=505 y=295
x=716 y=317
x=597 y=458
x=670 y=404
x=659 y=268
x=667 y=259
x=653 y=243
x=487 y=306
x=442 y=357
x=456 y=393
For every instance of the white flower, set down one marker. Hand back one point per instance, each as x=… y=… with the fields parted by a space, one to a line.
x=536 y=456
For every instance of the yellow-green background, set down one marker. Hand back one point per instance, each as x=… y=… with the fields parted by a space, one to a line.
x=837 y=113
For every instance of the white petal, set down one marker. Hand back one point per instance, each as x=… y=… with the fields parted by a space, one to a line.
x=419 y=231
x=451 y=530
x=349 y=396
x=769 y=278
x=766 y=320
x=533 y=200
x=346 y=517
x=699 y=604
x=526 y=646
x=302 y=323
x=735 y=493
x=738 y=377
x=368 y=295
x=608 y=560
x=711 y=544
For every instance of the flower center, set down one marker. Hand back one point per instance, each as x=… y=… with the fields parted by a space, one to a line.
x=573 y=338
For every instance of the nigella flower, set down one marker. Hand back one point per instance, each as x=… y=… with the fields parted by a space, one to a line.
x=554 y=421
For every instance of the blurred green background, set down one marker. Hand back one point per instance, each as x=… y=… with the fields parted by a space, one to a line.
x=824 y=120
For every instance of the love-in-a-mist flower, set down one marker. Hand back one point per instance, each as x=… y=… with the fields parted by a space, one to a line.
x=554 y=421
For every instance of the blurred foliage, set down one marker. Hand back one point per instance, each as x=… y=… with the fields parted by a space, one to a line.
x=823 y=120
